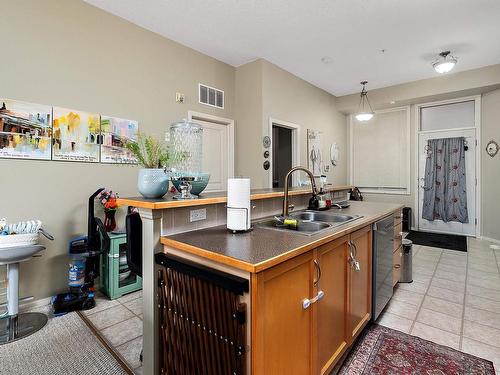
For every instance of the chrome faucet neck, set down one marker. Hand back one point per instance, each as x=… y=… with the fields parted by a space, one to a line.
x=287 y=177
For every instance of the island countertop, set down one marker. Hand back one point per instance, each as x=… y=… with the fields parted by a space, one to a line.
x=168 y=200
x=262 y=248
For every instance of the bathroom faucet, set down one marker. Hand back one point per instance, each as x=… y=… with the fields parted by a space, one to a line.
x=285 y=198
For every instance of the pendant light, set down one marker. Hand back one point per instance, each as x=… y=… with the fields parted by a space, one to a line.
x=445 y=62
x=365 y=111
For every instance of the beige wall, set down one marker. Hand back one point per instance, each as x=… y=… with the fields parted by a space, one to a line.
x=265 y=91
x=485 y=82
x=490 y=167
x=248 y=138
x=70 y=54
x=289 y=98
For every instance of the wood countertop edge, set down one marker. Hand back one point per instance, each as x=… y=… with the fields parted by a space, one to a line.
x=158 y=205
x=268 y=263
x=207 y=254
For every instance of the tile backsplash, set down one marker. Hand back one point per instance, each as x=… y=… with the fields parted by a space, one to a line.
x=177 y=220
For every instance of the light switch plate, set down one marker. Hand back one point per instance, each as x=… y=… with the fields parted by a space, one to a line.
x=179 y=97
x=197 y=215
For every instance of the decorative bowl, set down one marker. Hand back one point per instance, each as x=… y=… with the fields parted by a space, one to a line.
x=196 y=186
x=153 y=183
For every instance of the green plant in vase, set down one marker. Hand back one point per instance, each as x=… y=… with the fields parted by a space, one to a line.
x=154 y=158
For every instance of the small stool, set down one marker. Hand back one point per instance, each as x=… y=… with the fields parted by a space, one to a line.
x=17 y=326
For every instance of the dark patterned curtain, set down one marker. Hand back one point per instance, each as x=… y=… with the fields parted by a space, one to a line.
x=445 y=194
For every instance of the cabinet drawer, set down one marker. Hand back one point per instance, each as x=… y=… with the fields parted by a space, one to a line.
x=396 y=266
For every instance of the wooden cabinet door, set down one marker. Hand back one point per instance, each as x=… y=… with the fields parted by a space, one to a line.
x=360 y=280
x=282 y=328
x=332 y=309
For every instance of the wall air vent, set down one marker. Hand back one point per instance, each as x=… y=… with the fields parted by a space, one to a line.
x=211 y=96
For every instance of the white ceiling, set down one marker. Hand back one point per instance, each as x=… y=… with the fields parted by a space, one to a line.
x=296 y=34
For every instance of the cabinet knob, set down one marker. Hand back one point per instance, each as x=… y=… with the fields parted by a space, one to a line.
x=397 y=266
x=306 y=302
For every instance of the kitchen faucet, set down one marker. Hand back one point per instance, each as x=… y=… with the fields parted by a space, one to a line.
x=285 y=198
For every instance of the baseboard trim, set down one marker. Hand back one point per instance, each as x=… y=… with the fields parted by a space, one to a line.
x=489 y=239
x=34 y=304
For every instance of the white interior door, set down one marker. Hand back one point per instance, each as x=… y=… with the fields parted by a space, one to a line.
x=470 y=175
x=216 y=138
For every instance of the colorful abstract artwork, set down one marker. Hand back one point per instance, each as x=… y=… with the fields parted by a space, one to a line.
x=75 y=135
x=115 y=133
x=25 y=130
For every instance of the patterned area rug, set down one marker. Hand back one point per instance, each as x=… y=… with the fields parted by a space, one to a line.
x=382 y=350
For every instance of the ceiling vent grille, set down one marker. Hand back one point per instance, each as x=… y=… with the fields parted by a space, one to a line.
x=211 y=96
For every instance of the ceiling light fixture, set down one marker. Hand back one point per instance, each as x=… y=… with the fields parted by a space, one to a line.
x=365 y=111
x=445 y=62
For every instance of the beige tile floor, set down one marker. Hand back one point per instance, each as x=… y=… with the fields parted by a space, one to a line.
x=454 y=299
x=120 y=322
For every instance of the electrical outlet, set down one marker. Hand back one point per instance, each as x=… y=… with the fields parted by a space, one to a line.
x=197 y=215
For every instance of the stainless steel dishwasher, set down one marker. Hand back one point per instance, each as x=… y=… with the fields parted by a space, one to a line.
x=383 y=239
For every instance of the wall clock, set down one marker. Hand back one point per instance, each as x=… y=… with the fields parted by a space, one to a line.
x=492 y=148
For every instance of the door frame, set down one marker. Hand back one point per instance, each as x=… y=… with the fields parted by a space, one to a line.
x=477 y=128
x=295 y=146
x=193 y=116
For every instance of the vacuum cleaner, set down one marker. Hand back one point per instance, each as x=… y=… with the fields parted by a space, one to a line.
x=84 y=252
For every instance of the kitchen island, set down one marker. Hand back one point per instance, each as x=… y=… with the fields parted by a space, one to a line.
x=271 y=260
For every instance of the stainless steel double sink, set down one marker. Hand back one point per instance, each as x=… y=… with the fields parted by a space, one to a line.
x=309 y=222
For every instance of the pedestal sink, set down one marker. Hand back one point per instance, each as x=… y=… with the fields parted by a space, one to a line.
x=17 y=254
x=17 y=326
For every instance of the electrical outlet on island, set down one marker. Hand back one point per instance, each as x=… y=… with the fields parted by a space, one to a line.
x=197 y=215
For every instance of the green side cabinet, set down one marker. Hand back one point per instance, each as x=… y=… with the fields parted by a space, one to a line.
x=116 y=278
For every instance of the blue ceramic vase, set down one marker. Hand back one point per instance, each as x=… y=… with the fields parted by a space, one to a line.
x=153 y=183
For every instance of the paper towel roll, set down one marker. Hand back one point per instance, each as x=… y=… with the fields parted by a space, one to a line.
x=238 y=204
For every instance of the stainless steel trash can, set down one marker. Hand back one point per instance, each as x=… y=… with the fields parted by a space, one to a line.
x=406 y=262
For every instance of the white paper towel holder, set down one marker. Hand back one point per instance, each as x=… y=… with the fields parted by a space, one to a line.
x=248 y=225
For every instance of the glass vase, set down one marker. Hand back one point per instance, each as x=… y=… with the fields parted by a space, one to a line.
x=109 y=220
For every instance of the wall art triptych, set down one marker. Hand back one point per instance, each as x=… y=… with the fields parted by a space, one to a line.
x=40 y=132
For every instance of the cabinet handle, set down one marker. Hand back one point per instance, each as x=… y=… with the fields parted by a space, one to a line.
x=355 y=265
x=352 y=246
x=397 y=266
x=318 y=272
x=352 y=257
x=306 y=302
